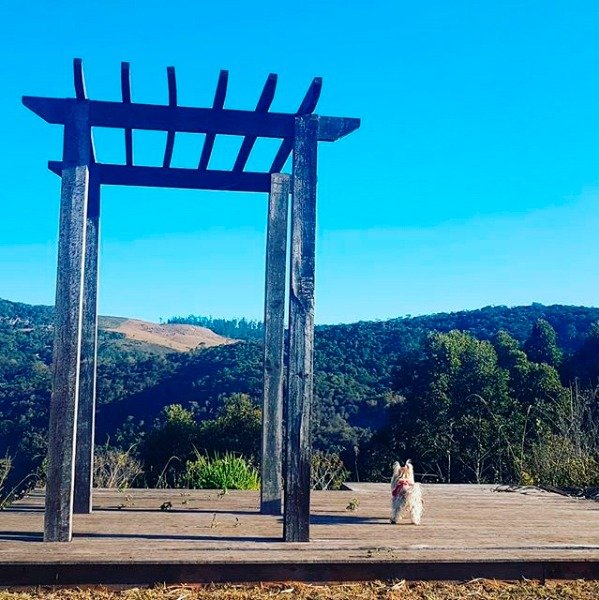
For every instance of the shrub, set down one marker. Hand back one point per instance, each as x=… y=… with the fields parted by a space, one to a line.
x=226 y=471
x=328 y=471
x=115 y=468
x=5 y=466
x=168 y=446
x=238 y=428
x=556 y=461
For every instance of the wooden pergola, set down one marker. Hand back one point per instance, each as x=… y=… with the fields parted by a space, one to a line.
x=72 y=407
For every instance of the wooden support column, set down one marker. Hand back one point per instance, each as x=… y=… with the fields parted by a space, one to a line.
x=67 y=328
x=84 y=455
x=296 y=521
x=271 y=490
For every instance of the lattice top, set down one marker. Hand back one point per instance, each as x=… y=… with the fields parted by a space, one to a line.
x=173 y=118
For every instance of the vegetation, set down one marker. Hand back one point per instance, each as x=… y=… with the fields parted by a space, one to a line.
x=328 y=471
x=478 y=588
x=115 y=468
x=238 y=329
x=497 y=394
x=227 y=472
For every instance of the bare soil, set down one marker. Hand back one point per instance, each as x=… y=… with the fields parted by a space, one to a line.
x=180 y=338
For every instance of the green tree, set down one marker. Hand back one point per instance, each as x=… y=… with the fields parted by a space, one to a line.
x=584 y=364
x=457 y=410
x=169 y=445
x=237 y=428
x=541 y=346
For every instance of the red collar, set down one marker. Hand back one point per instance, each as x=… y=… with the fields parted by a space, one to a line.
x=400 y=486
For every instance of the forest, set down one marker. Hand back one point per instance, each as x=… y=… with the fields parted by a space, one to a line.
x=500 y=394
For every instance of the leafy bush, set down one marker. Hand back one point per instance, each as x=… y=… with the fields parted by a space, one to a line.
x=328 y=471
x=556 y=461
x=115 y=468
x=237 y=428
x=226 y=471
x=5 y=466
x=168 y=446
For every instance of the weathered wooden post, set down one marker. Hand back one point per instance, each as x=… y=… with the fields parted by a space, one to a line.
x=67 y=334
x=271 y=491
x=73 y=393
x=84 y=455
x=301 y=331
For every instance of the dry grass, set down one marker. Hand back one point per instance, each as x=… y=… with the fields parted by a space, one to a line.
x=475 y=590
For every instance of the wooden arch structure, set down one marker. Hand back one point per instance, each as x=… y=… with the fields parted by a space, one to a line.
x=72 y=407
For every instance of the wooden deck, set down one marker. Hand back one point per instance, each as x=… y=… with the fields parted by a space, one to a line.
x=467 y=531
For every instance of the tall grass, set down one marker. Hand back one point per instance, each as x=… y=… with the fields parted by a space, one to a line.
x=227 y=471
x=115 y=468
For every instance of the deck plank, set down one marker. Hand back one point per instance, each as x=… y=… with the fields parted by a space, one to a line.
x=207 y=536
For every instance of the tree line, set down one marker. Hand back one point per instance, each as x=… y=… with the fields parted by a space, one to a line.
x=498 y=394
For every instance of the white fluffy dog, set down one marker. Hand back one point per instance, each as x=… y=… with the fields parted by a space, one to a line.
x=406 y=494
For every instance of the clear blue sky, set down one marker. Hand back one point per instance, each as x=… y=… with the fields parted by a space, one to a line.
x=474 y=179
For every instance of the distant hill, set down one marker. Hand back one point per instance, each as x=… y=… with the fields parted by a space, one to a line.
x=143 y=335
x=180 y=338
x=140 y=372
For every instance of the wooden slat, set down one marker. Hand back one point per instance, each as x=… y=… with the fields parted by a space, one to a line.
x=126 y=95
x=188 y=120
x=264 y=102
x=192 y=179
x=79 y=80
x=67 y=331
x=307 y=106
x=274 y=335
x=301 y=331
x=84 y=455
x=217 y=105
x=207 y=537
x=81 y=94
x=172 y=101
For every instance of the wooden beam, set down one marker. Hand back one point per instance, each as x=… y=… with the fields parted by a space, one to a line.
x=264 y=102
x=271 y=490
x=97 y=571
x=84 y=455
x=81 y=94
x=67 y=329
x=156 y=117
x=126 y=95
x=172 y=101
x=176 y=178
x=217 y=105
x=307 y=107
x=296 y=522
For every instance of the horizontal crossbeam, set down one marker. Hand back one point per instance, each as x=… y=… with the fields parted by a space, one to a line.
x=185 y=119
x=161 y=177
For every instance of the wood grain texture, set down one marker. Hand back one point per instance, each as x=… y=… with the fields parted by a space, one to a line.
x=67 y=330
x=301 y=331
x=274 y=337
x=84 y=454
x=467 y=531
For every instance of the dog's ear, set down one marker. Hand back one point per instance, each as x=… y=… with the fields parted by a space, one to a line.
x=408 y=462
x=396 y=468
